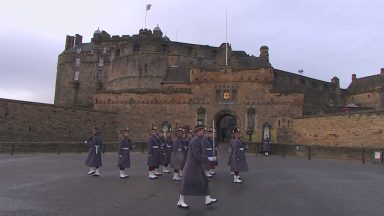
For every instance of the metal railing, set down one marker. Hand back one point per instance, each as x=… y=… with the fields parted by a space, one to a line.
x=60 y=147
x=305 y=151
x=315 y=151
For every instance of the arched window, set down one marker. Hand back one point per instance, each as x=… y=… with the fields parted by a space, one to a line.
x=201 y=114
x=251 y=118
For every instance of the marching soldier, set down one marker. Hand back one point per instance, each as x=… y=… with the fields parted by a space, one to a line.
x=185 y=141
x=168 y=152
x=212 y=164
x=207 y=151
x=238 y=160
x=178 y=157
x=154 y=155
x=94 y=155
x=194 y=182
x=230 y=150
x=267 y=146
x=124 y=148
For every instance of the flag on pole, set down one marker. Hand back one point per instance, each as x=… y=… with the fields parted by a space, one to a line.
x=148 y=7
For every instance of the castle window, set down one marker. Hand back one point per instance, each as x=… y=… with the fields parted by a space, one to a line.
x=201 y=114
x=104 y=50
x=101 y=61
x=99 y=75
x=218 y=94
x=76 y=75
x=78 y=51
x=136 y=48
x=77 y=62
x=214 y=53
x=234 y=94
x=117 y=53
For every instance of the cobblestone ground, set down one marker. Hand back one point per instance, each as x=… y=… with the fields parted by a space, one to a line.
x=51 y=184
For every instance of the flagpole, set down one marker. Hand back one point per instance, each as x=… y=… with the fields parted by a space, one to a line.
x=226 y=39
x=145 y=25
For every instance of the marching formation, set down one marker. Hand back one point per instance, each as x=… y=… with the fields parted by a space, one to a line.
x=191 y=154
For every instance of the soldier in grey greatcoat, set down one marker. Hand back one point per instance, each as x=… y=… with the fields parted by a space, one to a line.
x=154 y=154
x=194 y=182
x=238 y=160
x=212 y=164
x=123 y=150
x=267 y=146
x=178 y=156
x=94 y=155
x=185 y=140
x=207 y=151
x=167 y=151
x=230 y=150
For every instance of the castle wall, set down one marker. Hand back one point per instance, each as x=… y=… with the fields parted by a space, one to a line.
x=368 y=99
x=350 y=130
x=141 y=110
x=28 y=121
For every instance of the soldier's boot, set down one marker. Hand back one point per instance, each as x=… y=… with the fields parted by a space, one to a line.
x=176 y=177
x=209 y=200
x=181 y=203
x=266 y=154
x=166 y=170
x=97 y=172
x=208 y=174
x=151 y=175
x=91 y=171
x=236 y=179
x=212 y=172
x=122 y=174
x=157 y=172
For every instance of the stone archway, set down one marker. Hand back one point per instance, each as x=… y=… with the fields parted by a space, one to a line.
x=225 y=122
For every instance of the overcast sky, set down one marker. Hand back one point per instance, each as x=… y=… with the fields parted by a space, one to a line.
x=325 y=38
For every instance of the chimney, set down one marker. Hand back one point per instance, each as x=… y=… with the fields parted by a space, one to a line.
x=78 y=39
x=382 y=72
x=69 y=42
x=264 y=52
x=353 y=77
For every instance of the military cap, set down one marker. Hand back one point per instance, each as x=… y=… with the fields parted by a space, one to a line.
x=125 y=129
x=236 y=130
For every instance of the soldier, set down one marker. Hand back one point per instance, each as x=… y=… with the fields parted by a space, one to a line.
x=185 y=140
x=167 y=151
x=94 y=155
x=194 y=182
x=267 y=146
x=212 y=164
x=123 y=149
x=230 y=150
x=238 y=160
x=207 y=151
x=178 y=157
x=154 y=155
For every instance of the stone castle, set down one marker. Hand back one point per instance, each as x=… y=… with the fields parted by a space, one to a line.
x=148 y=79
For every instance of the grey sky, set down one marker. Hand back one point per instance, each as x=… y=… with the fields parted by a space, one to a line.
x=325 y=38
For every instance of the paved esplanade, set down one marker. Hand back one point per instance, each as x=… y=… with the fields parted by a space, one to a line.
x=49 y=184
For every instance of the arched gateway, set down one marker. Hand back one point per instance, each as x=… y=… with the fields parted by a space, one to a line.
x=225 y=122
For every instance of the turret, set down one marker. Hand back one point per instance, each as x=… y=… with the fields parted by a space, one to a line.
x=78 y=39
x=69 y=42
x=157 y=32
x=264 y=52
